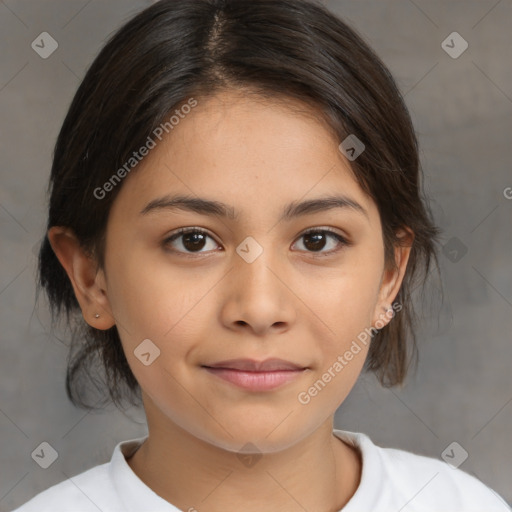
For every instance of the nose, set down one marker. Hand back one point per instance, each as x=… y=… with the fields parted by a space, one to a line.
x=257 y=294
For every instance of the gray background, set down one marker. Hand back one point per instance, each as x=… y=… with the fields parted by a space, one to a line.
x=462 y=111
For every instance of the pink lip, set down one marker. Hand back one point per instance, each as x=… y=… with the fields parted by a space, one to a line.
x=256 y=375
x=256 y=380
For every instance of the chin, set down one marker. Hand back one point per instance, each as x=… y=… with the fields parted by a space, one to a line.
x=266 y=439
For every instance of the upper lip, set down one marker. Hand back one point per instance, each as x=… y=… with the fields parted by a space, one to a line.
x=256 y=366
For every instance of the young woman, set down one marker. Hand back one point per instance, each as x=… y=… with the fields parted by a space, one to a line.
x=235 y=226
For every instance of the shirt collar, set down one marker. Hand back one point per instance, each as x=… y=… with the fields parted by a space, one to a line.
x=373 y=489
x=135 y=495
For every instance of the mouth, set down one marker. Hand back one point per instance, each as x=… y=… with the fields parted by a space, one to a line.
x=256 y=375
x=251 y=365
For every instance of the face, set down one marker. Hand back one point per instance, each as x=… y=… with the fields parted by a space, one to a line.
x=252 y=285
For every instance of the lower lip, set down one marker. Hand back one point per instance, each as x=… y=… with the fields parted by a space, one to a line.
x=256 y=381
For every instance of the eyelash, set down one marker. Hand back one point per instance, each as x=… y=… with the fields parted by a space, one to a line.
x=183 y=231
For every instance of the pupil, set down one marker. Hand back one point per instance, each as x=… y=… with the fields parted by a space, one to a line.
x=316 y=239
x=197 y=243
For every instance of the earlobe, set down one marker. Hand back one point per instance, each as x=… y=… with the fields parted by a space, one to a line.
x=82 y=272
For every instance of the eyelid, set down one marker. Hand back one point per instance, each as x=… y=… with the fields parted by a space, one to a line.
x=189 y=229
x=343 y=240
x=327 y=229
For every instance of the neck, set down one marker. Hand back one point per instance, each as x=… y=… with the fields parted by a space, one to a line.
x=319 y=473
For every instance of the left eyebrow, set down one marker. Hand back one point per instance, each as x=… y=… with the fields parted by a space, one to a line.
x=218 y=209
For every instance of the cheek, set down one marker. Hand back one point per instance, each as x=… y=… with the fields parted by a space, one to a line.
x=345 y=305
x=345 y=298
x=149 y=297
x=164 y=304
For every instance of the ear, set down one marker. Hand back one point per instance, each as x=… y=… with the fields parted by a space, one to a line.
x=392 y=280
x=88 y=283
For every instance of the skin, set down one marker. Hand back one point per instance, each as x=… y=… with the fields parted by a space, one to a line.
x=290 y=302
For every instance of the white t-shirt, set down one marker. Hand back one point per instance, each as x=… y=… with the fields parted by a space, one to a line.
x=392 y=480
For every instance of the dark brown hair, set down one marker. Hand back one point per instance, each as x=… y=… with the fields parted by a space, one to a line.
x=178 y=49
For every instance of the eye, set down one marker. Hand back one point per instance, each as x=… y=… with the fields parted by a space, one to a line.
x=192 y=240
x=315 y=239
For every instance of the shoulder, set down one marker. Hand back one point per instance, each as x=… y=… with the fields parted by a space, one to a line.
x=419 y=483
x=87 y=491
x=438 y=484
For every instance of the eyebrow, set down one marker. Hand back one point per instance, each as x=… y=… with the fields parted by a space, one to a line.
x=217 y=209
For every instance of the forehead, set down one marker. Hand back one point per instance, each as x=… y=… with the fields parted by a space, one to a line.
x=244 y=149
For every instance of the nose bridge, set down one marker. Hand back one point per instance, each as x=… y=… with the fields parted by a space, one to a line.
x=257 y=263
